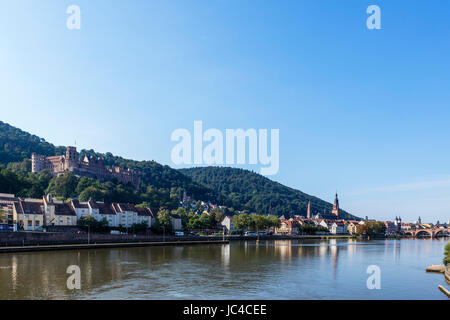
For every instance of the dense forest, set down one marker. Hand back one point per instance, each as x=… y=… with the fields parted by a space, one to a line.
x=256 y=193
x=16 y=145
x=162 y=186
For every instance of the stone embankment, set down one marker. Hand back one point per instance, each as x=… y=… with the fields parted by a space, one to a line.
x=440 y=268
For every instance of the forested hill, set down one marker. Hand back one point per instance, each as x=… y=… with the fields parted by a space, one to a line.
x=257 y=193
x=161 y=184
x=16 y=145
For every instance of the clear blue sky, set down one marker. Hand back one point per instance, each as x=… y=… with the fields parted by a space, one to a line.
x=364 y=112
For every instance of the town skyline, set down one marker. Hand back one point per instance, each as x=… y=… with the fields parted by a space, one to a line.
x=353 y=113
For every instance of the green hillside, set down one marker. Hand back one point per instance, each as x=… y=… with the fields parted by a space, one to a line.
x=257 y=193
x=161 y=185
x=16 y=145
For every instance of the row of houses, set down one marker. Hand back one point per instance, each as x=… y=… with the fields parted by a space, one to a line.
x=337 y=226
x=33 y=214
x=294 y=225
x=340 y=226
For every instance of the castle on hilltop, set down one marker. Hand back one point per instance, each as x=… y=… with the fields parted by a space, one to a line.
x=90 y=167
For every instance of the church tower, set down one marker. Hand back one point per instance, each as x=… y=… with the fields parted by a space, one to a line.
x=308 y=211
x=335 y=210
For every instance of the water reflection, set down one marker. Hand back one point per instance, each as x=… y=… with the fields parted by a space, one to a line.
x=334 y=269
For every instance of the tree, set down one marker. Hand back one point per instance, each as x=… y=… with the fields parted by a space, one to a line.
x=89 y=222
x=242 y=221
x=194 y=222
x=207 y=221
x=140 y=227
x=447 y=253
x=3 y=215
x=259 y=222
x=164 y=219
x=371 y=228
x=91 y=192
x=312 y=229
x=63 y=186
x=219 y=216
x=274 y=221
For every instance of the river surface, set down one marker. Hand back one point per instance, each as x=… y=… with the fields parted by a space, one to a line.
x=285 y=269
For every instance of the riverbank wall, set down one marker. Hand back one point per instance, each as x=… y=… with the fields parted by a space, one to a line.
x=35 y=241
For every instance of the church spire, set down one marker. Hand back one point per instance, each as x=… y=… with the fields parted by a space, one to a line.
x=335 y=210
x=308 y=211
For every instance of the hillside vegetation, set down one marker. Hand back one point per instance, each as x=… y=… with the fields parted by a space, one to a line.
x=257 y=193
x=161 y=185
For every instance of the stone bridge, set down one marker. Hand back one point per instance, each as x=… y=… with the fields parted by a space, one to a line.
x=433 y=233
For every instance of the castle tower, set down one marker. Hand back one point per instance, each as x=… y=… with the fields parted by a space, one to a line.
x=419 y=221
x=335 y=210
x=308 y=211
x=37 y=163
x=71 y=158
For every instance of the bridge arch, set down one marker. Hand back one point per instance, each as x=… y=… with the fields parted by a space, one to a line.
x=424 y=232
x=441 y=232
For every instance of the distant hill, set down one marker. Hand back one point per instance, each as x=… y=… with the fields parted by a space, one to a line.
x=161 y=184
x=16 y=146
x=257 y=193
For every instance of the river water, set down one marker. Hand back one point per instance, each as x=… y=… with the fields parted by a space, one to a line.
x=306 y=269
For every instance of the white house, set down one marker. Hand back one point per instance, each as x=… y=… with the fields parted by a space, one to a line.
x=227 y=222
x=28 y=214
x=145 y=215
x=58 y=213
x=81 y=209
x=338 y=227
x=323 y=223
x=96 y=209
x=106 y=211
x=176 y=222
x=126 y=214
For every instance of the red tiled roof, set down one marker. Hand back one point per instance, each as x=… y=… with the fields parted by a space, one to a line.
x=291 y=224
x=23 y=207
x=8 y=200
x=64 y=209
x=104 y=208
x=79 y=205
x=142 y=211
x=92 y=204
x=126 y=207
